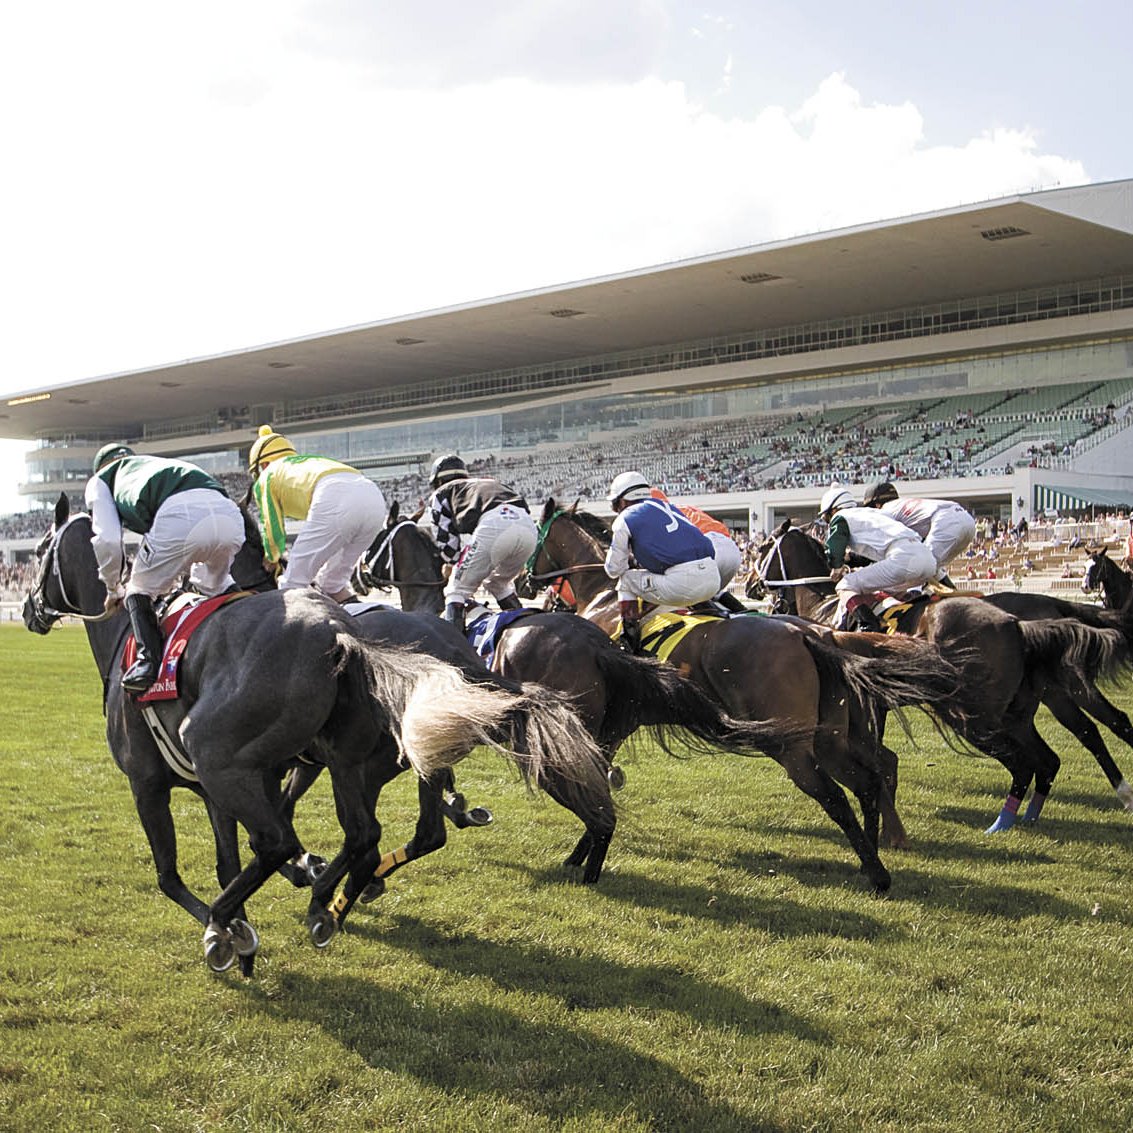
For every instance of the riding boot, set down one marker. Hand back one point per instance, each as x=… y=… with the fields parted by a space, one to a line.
x=946 y=582
x=865 y=620
x=510 y=602
x=147 y=633
x=730 y=602
x=454 y=613
x=631 y=624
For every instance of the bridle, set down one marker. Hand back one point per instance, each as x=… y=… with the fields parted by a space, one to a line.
x=381 y=558
x=44 y=614
x=556 y=573
x=774 y=556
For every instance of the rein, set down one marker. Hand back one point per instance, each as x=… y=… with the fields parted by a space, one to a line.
x=38 y=597
x=560 y=572
x=776 y=551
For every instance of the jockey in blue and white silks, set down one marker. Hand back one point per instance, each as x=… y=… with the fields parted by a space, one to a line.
x=676 y=563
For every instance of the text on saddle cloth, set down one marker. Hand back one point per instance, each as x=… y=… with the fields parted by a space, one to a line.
x=177 y=626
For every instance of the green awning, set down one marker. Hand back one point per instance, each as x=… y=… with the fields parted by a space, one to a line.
x=1049 y=497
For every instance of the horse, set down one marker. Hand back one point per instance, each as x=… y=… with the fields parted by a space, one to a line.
x=615 y=693
x=1009 y=665
x=760 y=668
x=262 y=680
x=1110 y=579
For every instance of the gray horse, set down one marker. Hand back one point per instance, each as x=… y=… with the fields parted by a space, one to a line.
x=263 y=680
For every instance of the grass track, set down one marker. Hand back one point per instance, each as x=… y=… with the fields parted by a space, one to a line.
x=730 y=972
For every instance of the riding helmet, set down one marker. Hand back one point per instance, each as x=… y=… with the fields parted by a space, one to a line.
x=108 y=453
x=629 y=486
x=834 y=499
x=447 y=467
x=878 y=493
x=268 y=445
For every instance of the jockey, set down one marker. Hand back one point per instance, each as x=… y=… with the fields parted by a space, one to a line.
x=342 y=510
x=501 y=535
x=188 y=523
x=676 y=564
x=946 y=528
x=727 y=553
x=899 y=560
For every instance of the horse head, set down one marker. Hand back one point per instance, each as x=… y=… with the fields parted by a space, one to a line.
x=403 y=556
x=1104 y=574
x=67 y=583
x=248 y=569
x=571 y=544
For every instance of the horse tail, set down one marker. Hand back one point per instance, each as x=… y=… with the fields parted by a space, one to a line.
x=1059 y=647
x=436 y=714
x=651 y=694
x=889 y=672
x=552 y=748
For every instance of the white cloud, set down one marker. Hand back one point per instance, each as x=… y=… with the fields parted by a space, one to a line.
x=187 y=181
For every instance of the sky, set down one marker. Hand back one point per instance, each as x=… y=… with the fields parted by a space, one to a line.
x=186 y=179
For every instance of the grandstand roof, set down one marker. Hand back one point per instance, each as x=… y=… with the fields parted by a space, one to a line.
x=1011 y=244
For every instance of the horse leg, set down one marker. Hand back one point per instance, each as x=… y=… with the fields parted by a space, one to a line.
x=812 y=780
x=1072 y=716
x=893 y=832
x=304 y=869
x=227 y=841
x=152 y=803
x=355 y=802
x=429 y=836
x=1046 y=765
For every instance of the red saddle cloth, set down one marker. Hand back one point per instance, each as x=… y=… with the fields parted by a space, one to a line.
x=176 y=627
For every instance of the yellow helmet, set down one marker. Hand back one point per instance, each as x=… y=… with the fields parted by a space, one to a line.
x=268 y=446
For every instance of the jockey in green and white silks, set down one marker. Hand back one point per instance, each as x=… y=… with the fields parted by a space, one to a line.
x=342 y=510
x=189 y=525
x=899 y=561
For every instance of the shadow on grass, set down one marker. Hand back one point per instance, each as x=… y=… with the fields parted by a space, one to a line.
x=785 y=918
x=486 y=1055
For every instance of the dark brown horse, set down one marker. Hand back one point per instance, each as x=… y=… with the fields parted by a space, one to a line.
x=1009 y=664
x=615 y=693
x=760 y=668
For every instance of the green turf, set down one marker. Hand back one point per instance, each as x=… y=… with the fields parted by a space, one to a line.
x=730 y=971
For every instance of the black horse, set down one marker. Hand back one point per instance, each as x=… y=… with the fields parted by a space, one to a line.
x=263 y=680
x=1009 y=665
x=1110 y=579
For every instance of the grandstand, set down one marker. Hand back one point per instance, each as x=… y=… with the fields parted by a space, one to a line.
x=984 y=353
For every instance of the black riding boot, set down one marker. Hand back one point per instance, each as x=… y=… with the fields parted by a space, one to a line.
x=143 y=620
x=631 y=625
x=510 y=602
x=730 y=602
x=454 y=613
x=865 y=620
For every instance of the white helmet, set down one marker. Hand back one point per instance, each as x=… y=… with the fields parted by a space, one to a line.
x=628 y=486
x=834 y=499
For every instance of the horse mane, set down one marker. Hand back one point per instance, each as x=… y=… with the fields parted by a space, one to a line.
x=592 y=524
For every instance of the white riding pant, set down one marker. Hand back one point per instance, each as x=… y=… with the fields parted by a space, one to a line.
x=949 y=534
x=199 y=531
x=728 y=557
x=683 y=584
x=503 y=541
x=907 y=563
x=347 y=511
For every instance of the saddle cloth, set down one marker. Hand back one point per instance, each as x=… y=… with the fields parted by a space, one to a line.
x=178 y=624
x=483 y=630
x=663 y=630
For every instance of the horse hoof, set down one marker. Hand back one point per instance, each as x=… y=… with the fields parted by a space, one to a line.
x=245 y=939
x=456 y=801
x=314 y=866
x=219 y=953
x=322 y=928
x=373 y=891
x=479 y=816
x=616 y=777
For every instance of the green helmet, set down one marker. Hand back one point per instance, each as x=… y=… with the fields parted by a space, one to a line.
x=108 y=453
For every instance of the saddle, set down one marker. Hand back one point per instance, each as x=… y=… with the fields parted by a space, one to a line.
x=903 y=615
x=484 y=629
x=179 y=621
x=663 y=630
